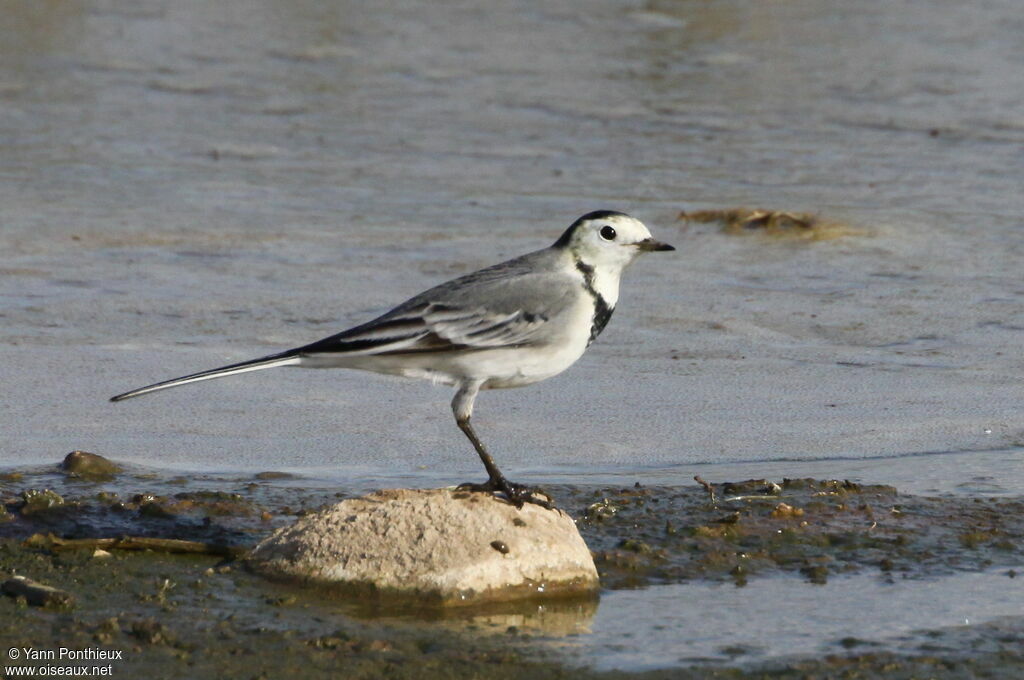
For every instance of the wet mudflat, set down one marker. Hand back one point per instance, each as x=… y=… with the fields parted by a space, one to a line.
x=781 y=549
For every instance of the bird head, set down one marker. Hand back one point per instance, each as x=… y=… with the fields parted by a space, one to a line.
x=608 y=239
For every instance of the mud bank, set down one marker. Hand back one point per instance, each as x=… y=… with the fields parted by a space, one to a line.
x=206 y=615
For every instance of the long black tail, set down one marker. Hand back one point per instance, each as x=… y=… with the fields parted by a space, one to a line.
x=283 y=359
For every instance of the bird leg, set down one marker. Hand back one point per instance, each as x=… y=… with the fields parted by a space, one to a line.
x=517 y=494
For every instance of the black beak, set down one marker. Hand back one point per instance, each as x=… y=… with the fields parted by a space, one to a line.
x=650 y=245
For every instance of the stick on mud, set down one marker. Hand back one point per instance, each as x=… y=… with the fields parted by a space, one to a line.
x=170 y=545
x=707 y=486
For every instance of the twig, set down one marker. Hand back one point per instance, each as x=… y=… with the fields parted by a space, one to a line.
x=170 y=545
x=707 y=486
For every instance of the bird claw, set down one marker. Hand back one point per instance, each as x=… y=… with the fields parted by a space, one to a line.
x=517 y=494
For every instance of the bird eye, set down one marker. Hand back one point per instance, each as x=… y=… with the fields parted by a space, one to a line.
x=607 y=233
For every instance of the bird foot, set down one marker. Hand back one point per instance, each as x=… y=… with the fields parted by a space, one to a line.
x=517 y=494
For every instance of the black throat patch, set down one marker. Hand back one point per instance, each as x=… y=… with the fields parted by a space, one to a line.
x=602 y=310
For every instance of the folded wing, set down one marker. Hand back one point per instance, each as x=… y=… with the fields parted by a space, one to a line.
x=433 y=327
x=510 y=304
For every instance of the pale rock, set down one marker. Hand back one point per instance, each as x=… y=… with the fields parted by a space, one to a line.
x=446 y=546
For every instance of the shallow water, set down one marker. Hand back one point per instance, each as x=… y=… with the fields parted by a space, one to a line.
x=190 y=185
x=717 y=623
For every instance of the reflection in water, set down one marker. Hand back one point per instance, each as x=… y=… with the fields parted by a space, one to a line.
x=554 y=617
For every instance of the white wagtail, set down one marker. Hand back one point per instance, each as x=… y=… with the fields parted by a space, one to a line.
x=509 y=325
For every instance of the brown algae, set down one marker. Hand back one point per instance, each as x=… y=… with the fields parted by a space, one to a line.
x=777 y=224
